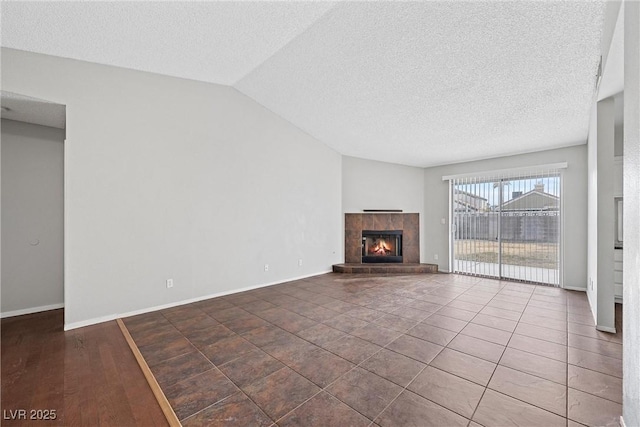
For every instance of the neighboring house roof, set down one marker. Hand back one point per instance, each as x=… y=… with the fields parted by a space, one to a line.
x=464 y=200
x=532 y=200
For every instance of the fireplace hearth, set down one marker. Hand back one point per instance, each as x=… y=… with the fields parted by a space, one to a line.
x=382 y=246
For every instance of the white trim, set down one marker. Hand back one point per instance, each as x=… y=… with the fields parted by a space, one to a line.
x=575 y=288
x=450 y=228
x=506 y=172
x=31 y=310
x=65 y=215
x=606 y=329
x=593 y=313
x=561 y=239
x=93 y=321
x=622 y=424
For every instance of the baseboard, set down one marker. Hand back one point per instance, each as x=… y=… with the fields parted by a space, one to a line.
x=622 y=424
x=107 y=318
x=89 y=322
x=593 y=314
x=606 y=329
x=573 y=288
x=30 y=310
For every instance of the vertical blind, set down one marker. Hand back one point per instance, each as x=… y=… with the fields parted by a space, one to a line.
x=507 y=225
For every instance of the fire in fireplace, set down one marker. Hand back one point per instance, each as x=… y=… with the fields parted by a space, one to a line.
x=381 y=246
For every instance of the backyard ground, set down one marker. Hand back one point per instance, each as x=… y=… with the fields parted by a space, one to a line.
x=543 y=255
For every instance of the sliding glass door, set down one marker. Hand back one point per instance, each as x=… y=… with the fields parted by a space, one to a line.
x=508 y=227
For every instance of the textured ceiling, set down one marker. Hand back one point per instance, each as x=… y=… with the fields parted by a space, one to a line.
x=32 y=110
x=613 y=74
x=420 y=83
x=433 y=83
x=218 y=42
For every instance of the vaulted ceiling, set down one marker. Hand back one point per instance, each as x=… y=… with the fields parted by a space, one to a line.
x=416 y=83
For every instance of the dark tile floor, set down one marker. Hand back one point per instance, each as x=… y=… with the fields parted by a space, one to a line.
x=397 y=350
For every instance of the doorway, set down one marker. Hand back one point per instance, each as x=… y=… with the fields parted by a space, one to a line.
x=508 y=227
x=33 y=149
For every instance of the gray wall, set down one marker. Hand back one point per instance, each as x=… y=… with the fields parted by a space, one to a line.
x=601 y=214
x=618 y=144
x=171 y=178
x=368 y=184
x=631 y=306
x=592 y=212
x=436 y=206
x=32 y=217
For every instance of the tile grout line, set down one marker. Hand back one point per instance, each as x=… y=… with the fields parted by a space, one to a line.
x=359 y=366
x=325 y=389
x=405 y=388
x=458 y=333
x=219 y=370
x=401 y=333
x=498 y=362
x=566 y=418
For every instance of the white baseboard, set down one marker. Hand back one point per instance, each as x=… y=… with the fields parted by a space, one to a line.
x=107 y=318
x=593 y=314
x=30 y=310
x=573 y=288
x=606 y=329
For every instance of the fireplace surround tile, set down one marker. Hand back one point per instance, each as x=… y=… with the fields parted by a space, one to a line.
x=353 y=222
x=411 y=254
x=367 y=221
x=396 y=221
x=407 y=222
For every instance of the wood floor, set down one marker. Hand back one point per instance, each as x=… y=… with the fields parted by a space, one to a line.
x=361 y=350
x=84 y=377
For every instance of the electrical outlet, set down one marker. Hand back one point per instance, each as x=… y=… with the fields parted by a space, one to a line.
x=435 y=257
x=169 y=283
x=266 y=267
x=300 y=262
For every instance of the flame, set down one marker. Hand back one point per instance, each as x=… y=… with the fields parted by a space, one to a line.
x=381 y=248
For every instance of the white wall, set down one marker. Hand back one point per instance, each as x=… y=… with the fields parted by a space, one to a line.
x=601 y=214
x=32 y=217
x=605 y=142
x=631 y=306
x=436 y=206
x=618 y=145
x=604 y=194
x=592 y=212
x=369 y=184
x=171 y=178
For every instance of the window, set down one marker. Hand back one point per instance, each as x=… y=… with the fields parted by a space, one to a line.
x=508 y=225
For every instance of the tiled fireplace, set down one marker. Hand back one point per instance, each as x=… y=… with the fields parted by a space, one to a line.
x=382 y=238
